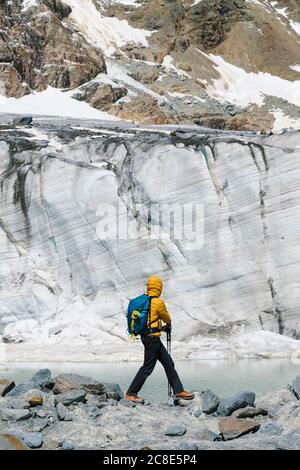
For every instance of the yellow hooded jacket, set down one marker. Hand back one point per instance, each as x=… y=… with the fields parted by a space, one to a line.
x=158 y=311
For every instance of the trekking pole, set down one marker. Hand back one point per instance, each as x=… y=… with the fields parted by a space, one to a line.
x=169 y=352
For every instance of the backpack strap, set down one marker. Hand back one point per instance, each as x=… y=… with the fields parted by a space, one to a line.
x=149 y=329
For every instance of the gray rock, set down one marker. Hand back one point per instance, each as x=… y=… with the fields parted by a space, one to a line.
x=61 y=411
x=17 y=403
x=210 y=402
x=113 y=391
x=175 y=430
x=40 y=424
x=10 y=414
x=42 y=378
x=206 y=435
x=42 y=414
x=187 y=446
x=271 y=427
x=128 y=403
x=241 y=400
x=73 y=396
x=250 y=412
x=6 y=386
x=66 y=445
x=21 y=389
x=296 y=386
x=197 y=413
x=110 y=402
x=22 y=121
x=34 y=440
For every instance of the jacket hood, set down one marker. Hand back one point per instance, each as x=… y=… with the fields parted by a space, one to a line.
x=154 y=286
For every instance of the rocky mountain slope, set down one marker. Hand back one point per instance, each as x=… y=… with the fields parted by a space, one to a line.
x=65 y=285
x=231 y=64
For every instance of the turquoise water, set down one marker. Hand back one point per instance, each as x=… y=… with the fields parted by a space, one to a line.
x=223 y=377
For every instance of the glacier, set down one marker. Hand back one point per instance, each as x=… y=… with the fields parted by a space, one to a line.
x=64 y=289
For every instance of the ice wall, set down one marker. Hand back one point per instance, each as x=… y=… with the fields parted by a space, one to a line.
x=63 y=287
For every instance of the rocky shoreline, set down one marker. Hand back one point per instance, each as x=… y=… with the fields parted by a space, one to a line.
x=75 y=412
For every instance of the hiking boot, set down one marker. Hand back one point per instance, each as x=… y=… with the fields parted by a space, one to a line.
x=184 y=395
x=134 y=398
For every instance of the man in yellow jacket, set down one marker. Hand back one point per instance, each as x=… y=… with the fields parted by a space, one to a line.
x=154 y=348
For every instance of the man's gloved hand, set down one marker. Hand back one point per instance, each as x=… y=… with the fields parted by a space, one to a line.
x=167 y=328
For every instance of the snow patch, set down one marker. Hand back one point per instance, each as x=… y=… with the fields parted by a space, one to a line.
x=242 y=88
x=52 y=102
x=295 y=26
x=168 y=63
x=108 y=33
x=295 y=67
x=28 y=4
x=282 y=121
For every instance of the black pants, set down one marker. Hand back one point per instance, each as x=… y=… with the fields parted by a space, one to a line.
x=154 y=349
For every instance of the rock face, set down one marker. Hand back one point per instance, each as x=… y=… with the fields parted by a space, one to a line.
x=229 y=405
x=40 y=49
x=232 y=428
x=240 y=181
x=161 y=66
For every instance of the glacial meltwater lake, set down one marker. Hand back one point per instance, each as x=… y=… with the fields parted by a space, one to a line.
x=223 y=377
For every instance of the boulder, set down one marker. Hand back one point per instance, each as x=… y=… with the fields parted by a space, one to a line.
x=175 y=430
x=210 y=402
x=296 y=387
x=250 y=412
x=21 y=389
x=232 y=428
x=42 y=378
x=22 y=121
x=34 y=440
x=68 y=398
x=113 y=391
x=241 y=400
x=6 y=386
x=9 y=414
x=11 y=442
x=100 y=95
x=66 y=382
